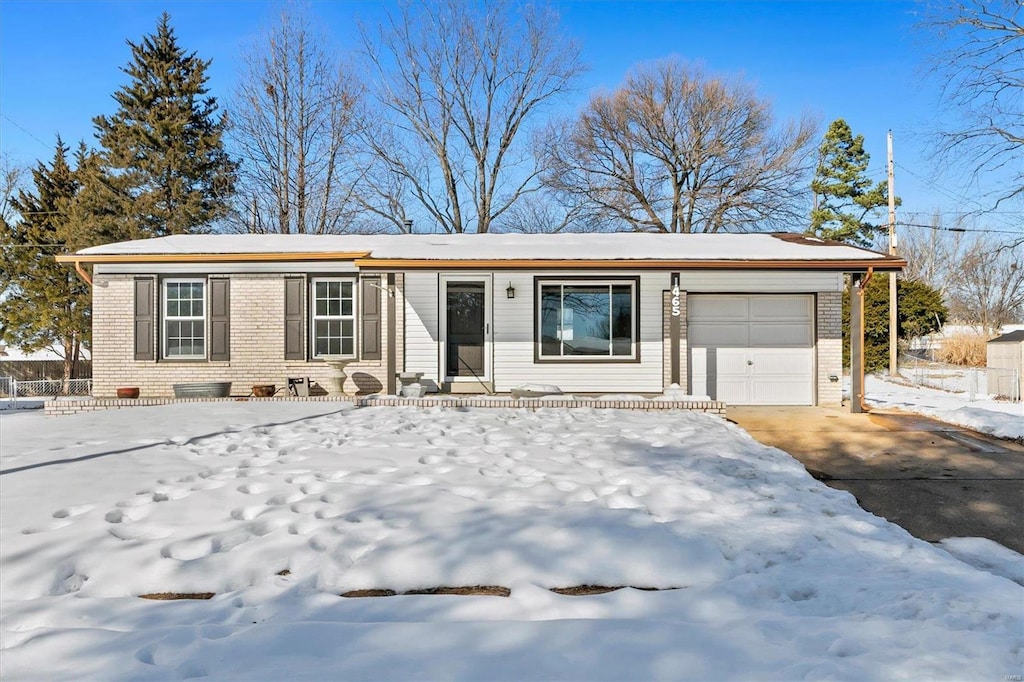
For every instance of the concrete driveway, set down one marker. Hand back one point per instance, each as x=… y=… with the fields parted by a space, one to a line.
x=934 y=479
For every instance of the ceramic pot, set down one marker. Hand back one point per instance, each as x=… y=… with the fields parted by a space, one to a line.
x=264 y=390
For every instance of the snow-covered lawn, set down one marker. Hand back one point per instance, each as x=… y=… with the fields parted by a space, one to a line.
x=765 y=573
x=998 y=417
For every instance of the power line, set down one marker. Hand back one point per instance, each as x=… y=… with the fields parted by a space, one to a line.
x=24 y=130
x=964 y=213
x=948 y=193
x=939 y=228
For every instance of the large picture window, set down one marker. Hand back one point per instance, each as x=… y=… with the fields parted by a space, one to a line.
x=584 y=319
x=185 y=319
x=334 y=317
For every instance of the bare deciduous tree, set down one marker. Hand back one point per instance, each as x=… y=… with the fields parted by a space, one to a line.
x=982 y=69
x=933 y=253
x=981 y=278
x=676 y=149
x=11 y=177
x=989 y=286
x=294 y=119
x=458 y=84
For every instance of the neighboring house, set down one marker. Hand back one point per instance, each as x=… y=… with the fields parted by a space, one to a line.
x=42 y=364
x=744 y=318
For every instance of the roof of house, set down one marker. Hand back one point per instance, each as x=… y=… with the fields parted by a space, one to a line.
x=502 y=250
x=1011 y=337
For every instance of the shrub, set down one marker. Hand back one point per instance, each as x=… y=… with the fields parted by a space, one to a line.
x=920 y=310
x=964 y=349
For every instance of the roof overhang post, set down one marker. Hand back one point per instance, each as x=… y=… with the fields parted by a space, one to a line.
x=858 y=283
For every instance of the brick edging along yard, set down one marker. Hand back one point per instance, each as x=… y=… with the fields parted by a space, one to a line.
x=72 y=406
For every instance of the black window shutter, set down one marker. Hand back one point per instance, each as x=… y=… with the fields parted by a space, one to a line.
x=370 y=318
x=145 y=296
x=294 y=288
x=220 y=319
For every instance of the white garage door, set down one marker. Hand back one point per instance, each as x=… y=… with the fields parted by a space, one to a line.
x=752 y=349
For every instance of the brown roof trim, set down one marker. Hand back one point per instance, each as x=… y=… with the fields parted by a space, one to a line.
x=208 y=257
x=362 y=260
x=850 y=265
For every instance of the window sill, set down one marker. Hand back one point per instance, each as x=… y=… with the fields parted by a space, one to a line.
x=586 y=360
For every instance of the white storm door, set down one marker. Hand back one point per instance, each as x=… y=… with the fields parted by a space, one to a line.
x=465 y=328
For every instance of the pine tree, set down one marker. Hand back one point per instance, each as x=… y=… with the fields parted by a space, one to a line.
x=844 y=198
x=921 y=312
x=46 y=304
x=164 y=147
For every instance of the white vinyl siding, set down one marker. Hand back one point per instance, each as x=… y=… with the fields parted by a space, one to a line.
x=758 y=282
x=422 y=341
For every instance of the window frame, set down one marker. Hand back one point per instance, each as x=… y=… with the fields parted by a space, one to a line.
x=165 y=318
x=586 y=280
x=313 y=317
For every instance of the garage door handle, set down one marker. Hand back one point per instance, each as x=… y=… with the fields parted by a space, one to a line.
x=750 y=362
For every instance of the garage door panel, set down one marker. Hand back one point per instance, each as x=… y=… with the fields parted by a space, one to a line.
x=793 y=308
x=780 y=362
x=781 y=334
x=717 y=308
x=734 y=392
x=730 y=362
x=720 y=334
x=781 y=392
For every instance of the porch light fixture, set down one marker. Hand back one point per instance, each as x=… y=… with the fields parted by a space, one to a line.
x=510 y=292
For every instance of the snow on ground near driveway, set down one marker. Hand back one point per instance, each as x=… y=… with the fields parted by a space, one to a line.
x=999 y=417
x=778 y=576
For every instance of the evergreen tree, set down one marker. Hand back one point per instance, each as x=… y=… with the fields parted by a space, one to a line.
x=844 y=198
x=920 y=311
x=164 y=147
x=46 y=304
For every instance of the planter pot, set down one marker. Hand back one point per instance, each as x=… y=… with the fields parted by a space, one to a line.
x=264 y=390
x=203 y=389
x=414 y=391
x=128 y=392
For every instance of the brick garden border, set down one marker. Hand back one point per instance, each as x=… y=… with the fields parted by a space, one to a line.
x=72 y=406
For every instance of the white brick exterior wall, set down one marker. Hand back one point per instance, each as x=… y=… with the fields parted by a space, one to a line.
x=257 y=344
x=829 y=317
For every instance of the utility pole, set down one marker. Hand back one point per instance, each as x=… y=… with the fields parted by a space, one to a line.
x=893 y=360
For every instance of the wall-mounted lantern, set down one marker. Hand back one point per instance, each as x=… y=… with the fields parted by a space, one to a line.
x=510 y=292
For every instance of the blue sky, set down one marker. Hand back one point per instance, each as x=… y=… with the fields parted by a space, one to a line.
x=862 y=61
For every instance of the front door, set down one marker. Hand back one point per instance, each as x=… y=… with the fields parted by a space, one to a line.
x=466 y=329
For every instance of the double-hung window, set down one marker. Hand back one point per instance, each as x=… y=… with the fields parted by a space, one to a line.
x=184 y=319
x=584 y=320
x=334 y=317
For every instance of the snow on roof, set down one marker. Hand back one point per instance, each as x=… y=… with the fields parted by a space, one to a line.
x=576 y=246
x=1011 y=337
x=13 y=354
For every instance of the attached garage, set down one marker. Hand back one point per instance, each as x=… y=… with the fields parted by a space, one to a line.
x=752 y=349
